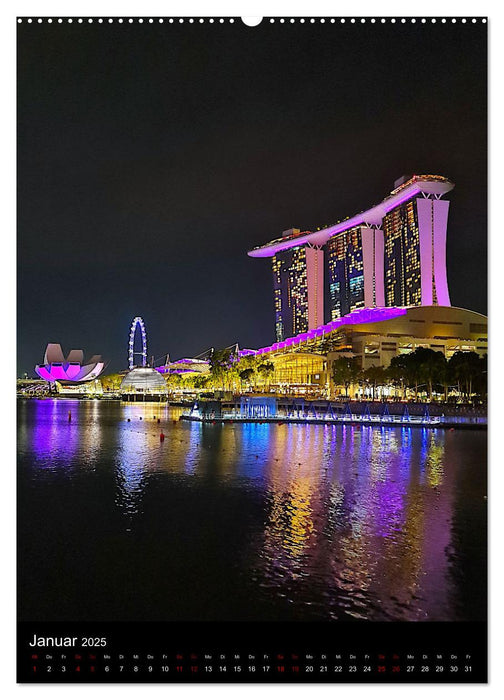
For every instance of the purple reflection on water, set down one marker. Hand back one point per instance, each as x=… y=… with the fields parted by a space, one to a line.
x=389 y=514
x=332 y=521
x=55 y=439
x=194 y=448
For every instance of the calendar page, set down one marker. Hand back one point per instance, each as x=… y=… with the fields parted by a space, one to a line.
x=252 y=349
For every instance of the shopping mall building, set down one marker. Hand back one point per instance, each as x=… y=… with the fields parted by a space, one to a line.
x=373 y=337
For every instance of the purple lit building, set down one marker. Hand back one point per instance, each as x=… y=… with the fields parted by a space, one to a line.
x=57 y=368
x=392 y=254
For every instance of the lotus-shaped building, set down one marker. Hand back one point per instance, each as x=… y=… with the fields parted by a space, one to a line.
x=72 y=369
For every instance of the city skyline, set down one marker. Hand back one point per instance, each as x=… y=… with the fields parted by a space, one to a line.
x=136 y=200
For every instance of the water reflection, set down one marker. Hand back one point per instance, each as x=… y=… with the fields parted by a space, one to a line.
x=359 y=519
x=62 y=435
x=131 y=465
x=141 y=453
x=435 y=463
x=313 y=521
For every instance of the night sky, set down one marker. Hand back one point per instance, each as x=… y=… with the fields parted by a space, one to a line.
x=152 y=157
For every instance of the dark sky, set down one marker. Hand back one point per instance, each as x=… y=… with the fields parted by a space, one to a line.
x=152 y=157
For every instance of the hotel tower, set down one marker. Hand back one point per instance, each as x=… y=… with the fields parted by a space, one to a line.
x=393 y=254
x=298 y=286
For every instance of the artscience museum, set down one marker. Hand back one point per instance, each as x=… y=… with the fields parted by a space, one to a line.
x=57 y=368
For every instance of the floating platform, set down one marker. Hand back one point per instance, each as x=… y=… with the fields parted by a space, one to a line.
x=437 y=423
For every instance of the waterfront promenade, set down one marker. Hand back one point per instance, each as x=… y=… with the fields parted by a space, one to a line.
x=256 y=409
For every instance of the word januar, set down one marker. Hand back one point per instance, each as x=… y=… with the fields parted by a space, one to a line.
x=67 y=641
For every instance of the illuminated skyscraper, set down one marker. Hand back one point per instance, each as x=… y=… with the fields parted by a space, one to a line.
x=393 y=254
x=415 y=249
x=298 y=279
x=346 y=274
x=355 y=266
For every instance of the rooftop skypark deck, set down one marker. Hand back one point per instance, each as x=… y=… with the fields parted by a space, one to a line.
x=436 y=185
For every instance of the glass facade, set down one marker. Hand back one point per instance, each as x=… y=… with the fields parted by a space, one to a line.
x=293 y=369
x=291 y=293
x=346 y=272
x=402 y=256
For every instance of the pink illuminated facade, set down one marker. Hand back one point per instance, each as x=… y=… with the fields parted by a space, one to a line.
x=315 y=286
x=432 y=223
x=57 y=368
x=393 y=255
x=372 y=255
x=361 y=316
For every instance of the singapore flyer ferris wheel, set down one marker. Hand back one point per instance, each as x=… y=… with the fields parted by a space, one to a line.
x=137 y=321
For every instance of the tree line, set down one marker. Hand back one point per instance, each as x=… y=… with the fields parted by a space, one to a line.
x=423 y=370
x=228 y=372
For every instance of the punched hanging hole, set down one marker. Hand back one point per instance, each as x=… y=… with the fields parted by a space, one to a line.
x=251 y=21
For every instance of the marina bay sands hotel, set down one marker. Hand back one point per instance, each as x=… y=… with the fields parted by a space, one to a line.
x=393 y=254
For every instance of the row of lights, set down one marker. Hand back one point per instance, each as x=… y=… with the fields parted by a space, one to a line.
x=140 y=20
